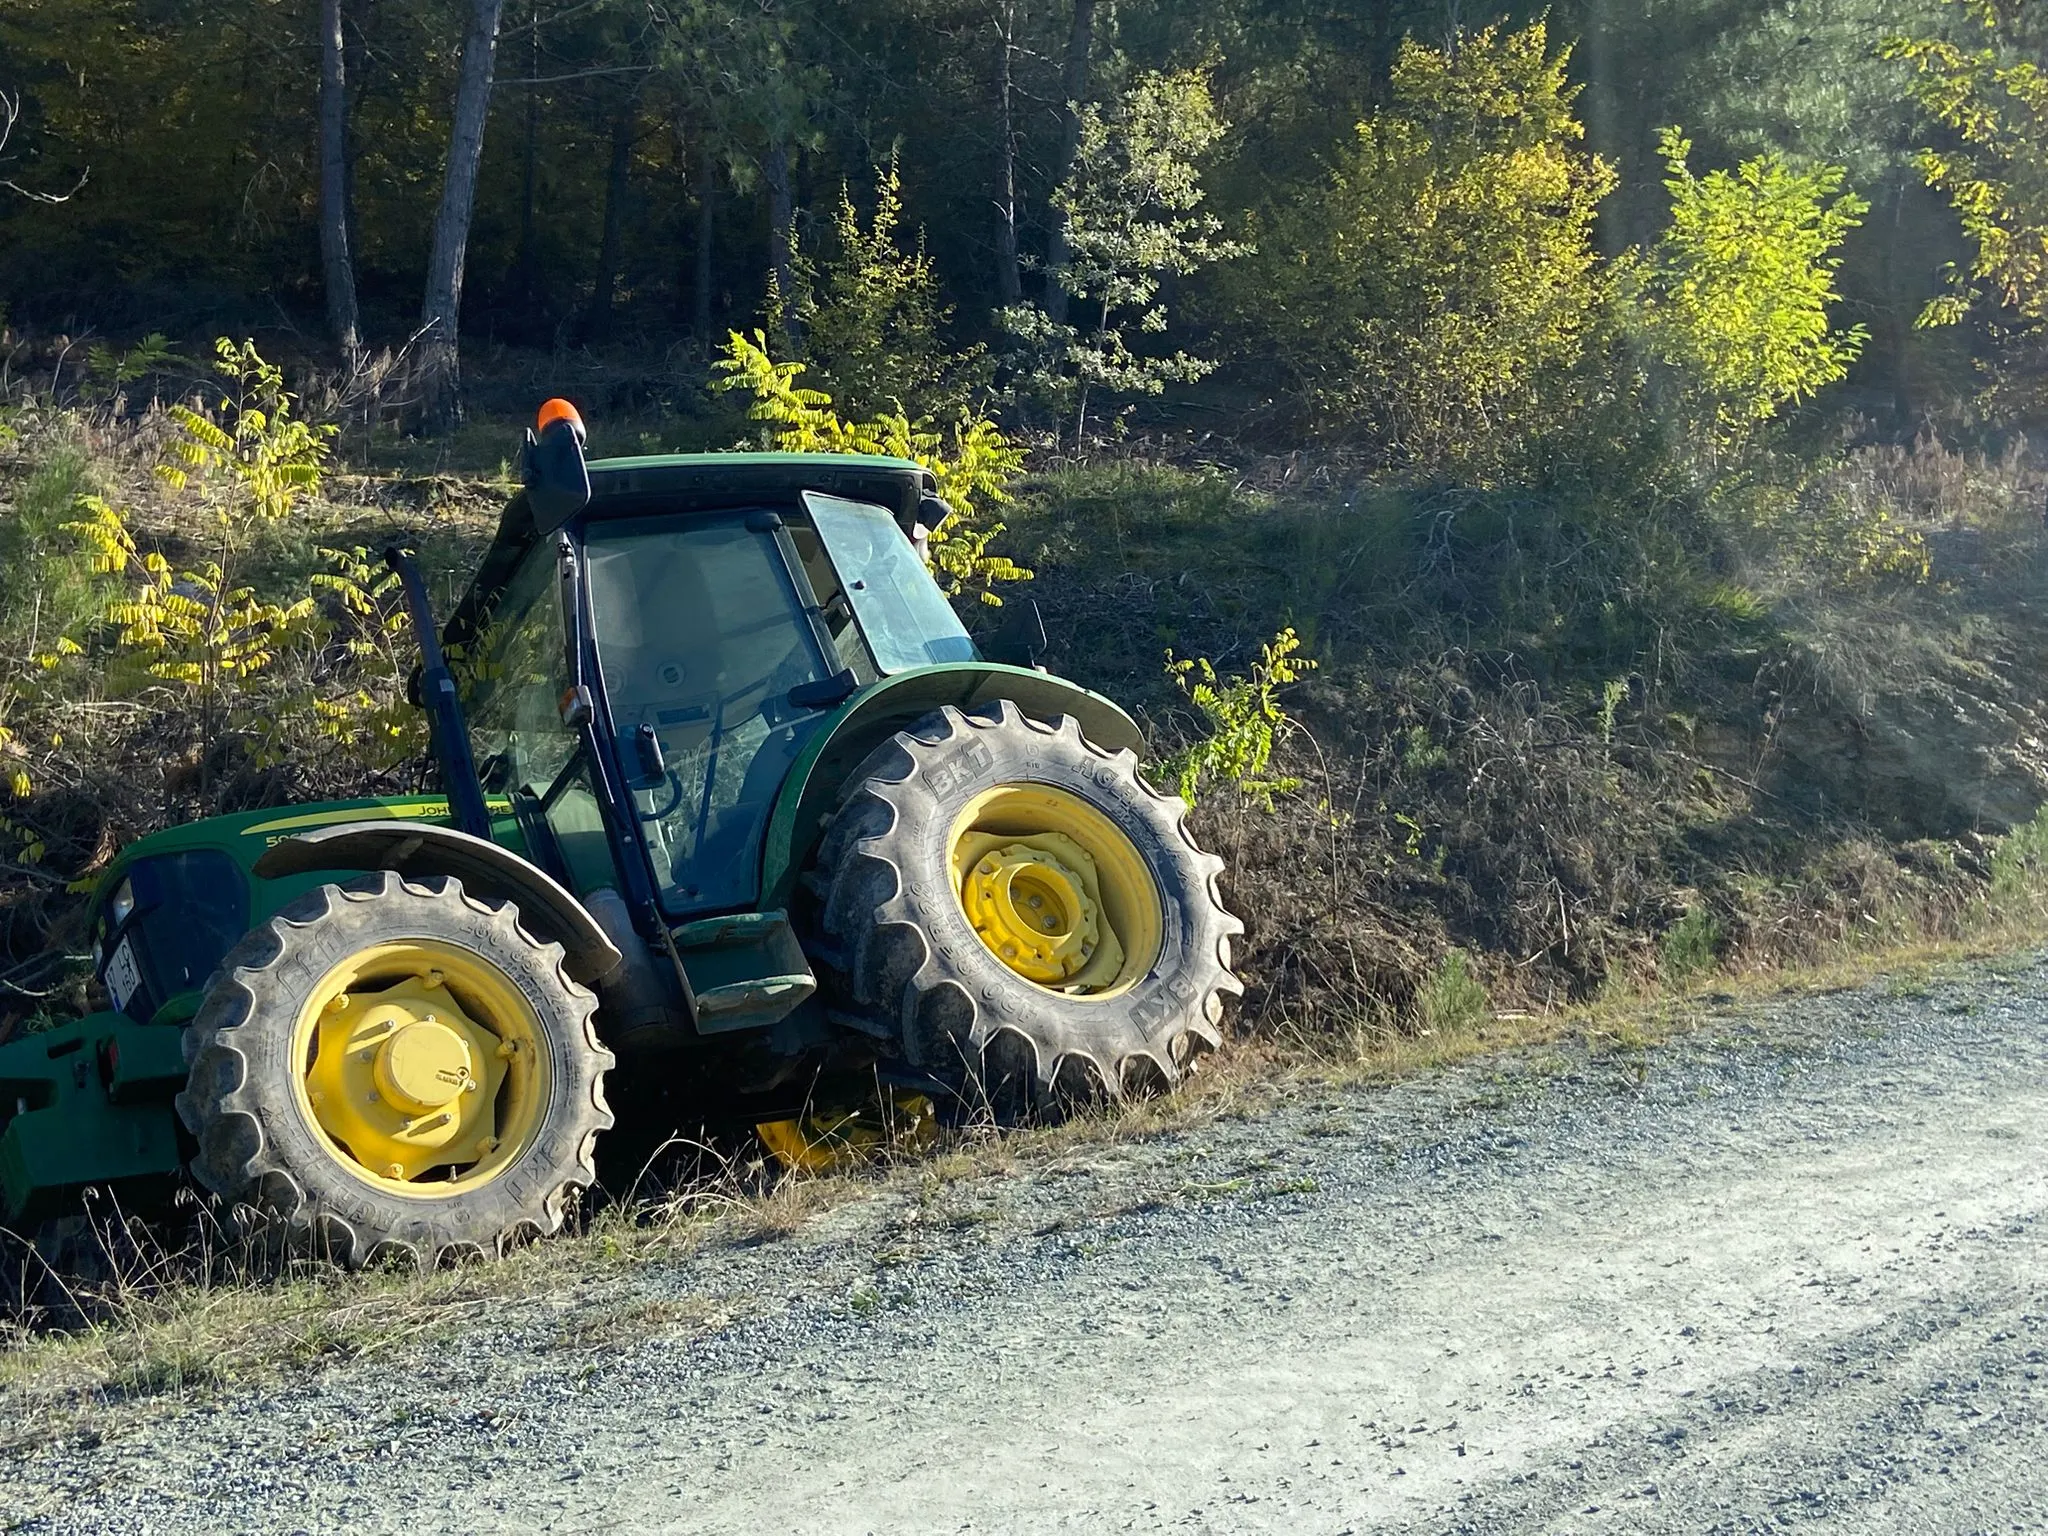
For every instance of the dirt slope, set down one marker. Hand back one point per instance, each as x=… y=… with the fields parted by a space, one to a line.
x=1787 y=1272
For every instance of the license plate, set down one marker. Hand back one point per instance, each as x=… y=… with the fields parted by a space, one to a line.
x=124 y=976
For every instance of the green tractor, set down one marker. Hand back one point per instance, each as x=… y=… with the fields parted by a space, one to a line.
x=737 y=822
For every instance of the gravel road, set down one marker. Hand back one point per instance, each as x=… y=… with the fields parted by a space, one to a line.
x=1783 y=1272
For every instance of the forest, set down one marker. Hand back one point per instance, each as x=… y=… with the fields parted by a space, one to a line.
x=1556 y=480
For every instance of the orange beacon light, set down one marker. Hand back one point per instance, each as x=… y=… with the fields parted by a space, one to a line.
x=561 y=410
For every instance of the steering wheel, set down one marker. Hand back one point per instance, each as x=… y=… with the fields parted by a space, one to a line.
x=675 y=798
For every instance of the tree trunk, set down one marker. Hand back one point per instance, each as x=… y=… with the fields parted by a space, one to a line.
x=1074 y=88
x=336 y=263
x=1009 y=278
x=782 y=235
x=597 y=320
x=707 y=229
x=440 y=364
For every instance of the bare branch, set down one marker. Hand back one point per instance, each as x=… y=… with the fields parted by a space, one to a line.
x=10 y=114
x=506 y=82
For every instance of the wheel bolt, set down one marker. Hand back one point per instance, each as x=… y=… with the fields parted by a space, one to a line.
x=396 y=1170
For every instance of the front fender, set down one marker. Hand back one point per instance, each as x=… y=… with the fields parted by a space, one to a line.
x=879 y=711
x=497 y=874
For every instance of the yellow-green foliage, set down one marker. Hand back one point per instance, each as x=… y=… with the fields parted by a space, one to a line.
x=870 y=314
x=320 y=665
x=973 y=463
x=1993 y=101
x=1444 y=273
x=1829 y=528
x=185 y=627
x=1740 y=282
x=258 y=459
x=364 y=649
x=1244 y=717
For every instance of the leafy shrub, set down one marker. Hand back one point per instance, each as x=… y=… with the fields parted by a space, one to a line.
x=1244 y=718
x=260 y=459
x=1689 y=947
x=1991 y=97
x=1453 y=999
x=1131 y=221
x=1435 y=290
x=312 y=668
x=2019 y=866
x=1739 y=285
x=870 y=316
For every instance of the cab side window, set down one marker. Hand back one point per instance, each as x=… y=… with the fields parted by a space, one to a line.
x=513 y=677
x=513 y=680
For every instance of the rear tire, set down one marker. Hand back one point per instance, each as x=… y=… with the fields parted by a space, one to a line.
x=258 y=1057
x=915 y=967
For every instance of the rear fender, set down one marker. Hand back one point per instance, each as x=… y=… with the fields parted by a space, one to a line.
x=416 y=851
x=872 y=716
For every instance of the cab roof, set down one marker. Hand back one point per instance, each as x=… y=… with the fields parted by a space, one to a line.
x=685 y=482
x=694 y=482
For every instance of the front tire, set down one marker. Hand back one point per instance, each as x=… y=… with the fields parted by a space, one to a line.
x=396 y=1068
x=1013 y=906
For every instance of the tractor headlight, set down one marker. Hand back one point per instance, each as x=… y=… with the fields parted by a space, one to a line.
x=121 y=906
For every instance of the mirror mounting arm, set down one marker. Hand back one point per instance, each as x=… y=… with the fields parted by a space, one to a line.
x=446 y=728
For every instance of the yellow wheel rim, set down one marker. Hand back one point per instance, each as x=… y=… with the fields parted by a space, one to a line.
x=835 y=1141
x=1056 y=890
x=422 y=1066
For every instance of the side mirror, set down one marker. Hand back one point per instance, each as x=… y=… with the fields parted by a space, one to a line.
x=1020 y=640
x=552 y=467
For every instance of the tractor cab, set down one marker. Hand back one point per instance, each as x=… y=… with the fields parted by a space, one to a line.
x=646 y=673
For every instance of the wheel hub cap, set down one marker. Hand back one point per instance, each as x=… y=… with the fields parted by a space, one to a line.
x=421 y=1066
x=1034 y=901
x=404 y=1079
